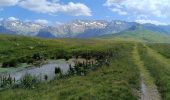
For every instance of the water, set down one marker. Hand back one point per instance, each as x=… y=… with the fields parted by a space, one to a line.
x=46 y=69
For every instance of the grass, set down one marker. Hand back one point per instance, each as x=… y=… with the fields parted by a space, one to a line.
x=22 y=49
x=143 y=71
x=162 y=48
x=13 y=47
x=140 y=35
x=148 y=88
x=119 y=81
x=14 y=69
x=159 y=69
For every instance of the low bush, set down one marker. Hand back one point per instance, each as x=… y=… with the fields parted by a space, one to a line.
x=10 y=63
x=28 y=81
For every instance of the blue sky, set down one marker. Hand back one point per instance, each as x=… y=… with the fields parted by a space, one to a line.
x=59 y=11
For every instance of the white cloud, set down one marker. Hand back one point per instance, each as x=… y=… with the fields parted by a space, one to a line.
x=111 y=2
x=41 y=21
x=12 y=18
x=145 y=21
x=8 y=2
x=49 y=6
x=158 y=8
x=53 y=7
x=119 y=11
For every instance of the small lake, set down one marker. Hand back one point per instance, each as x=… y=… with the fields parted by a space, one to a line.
x=46 y=69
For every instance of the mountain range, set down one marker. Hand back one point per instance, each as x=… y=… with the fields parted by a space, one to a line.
x=86 y=29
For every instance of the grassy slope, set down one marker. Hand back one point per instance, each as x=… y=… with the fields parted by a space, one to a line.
x=159 y=67
x=19 y=46
x=140 y=35
x=162 y=48
x=117 y=81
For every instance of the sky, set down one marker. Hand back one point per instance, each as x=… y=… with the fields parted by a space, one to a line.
x=61 y=11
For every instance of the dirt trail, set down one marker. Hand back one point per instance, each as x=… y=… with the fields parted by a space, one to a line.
x=148 y=88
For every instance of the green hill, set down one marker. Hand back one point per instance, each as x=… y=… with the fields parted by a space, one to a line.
x=140 y=34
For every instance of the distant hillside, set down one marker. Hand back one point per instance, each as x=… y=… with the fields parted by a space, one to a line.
x=158 y=28
x=140 y=33
x=89 y=29
x=73 y=29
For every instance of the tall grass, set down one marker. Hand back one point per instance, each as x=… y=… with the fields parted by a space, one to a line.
x=162 y=48
x=159 y=71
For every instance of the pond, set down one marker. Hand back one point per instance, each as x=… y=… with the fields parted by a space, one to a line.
x=39 y=72
x=47 y=69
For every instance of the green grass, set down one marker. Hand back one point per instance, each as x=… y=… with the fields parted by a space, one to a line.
x=162 y=48
x=140 y=35
x=19 y=47
x=13 y=69
x=143 y=71
x=119 y=81
x=159 y=67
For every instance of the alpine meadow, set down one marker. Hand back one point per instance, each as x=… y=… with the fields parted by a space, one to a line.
x=84 y=50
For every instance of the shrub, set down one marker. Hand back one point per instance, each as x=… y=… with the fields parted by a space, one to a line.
x=37 y=56
x=6 y=82
x=46 y=77
x=11 y=63
x=57 y=70
x=71 y=70
x=5 y=64
x=28 y=81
